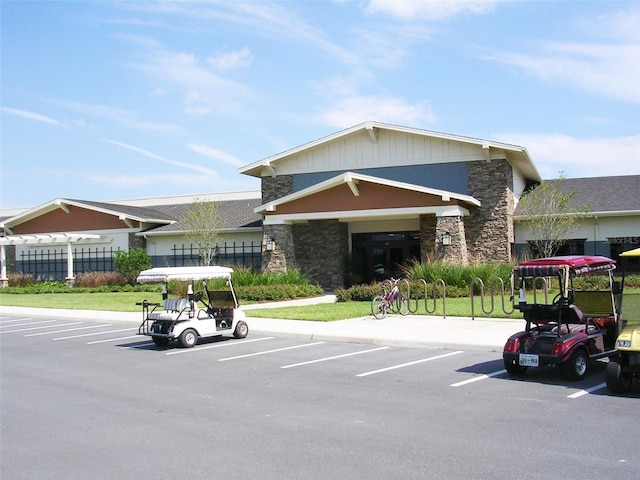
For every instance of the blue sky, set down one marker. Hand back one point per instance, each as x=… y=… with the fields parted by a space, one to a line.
x=114 y=100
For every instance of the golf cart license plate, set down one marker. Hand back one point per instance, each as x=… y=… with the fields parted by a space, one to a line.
x=528 y=360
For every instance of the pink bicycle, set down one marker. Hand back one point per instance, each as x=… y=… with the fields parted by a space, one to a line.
x=390 y=300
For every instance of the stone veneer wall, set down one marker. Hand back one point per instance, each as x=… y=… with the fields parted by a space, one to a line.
x=456 y=252
x=136 y=241
x=321 y=248
x=283 y=256
x=427 y=238
x=489 y=229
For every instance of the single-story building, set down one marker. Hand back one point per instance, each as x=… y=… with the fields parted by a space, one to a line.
x=349 y=207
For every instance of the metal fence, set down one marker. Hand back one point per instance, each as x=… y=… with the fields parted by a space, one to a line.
x=246 y=255
x=51 y=264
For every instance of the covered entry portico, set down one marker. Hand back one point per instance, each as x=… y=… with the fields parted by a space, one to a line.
x=345 y=225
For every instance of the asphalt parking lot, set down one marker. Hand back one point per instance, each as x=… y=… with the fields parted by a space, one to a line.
x=93 y=399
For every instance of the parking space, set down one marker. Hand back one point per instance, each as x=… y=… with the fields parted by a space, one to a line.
x=455 y=369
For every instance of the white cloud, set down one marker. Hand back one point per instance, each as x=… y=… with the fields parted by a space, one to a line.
x=353 y=110
x=226 y=61
x=611 y=70
x=578 y=158
x=128 y=180
x=608 y=65
x=32 y=116
x=216 y=154
x=202 y=89
x=146 y=153
x=429 y=9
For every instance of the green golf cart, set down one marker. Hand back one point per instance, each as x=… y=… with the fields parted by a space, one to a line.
x=622 y=368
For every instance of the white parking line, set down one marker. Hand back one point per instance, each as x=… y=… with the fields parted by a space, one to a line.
x=587 y=391
x=217 y=345
x=111 y=340
x=56 y=331
x=373 y=372
x=269 y=351
x=40 y=328
x=75 y=330
x=334 y=357
x=30 y=323
x=96 y=333
x=15 y=320
x=478 y=378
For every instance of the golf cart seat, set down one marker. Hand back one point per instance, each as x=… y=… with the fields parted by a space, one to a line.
x=174 y=308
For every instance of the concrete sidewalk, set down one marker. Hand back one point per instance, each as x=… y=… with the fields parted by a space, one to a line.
x=481 y=334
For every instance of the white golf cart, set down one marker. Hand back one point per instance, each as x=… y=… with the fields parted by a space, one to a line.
x=203 y=313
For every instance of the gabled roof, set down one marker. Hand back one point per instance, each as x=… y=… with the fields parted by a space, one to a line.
x=606 y=196
x=352 y=179
x=516 y=154
x=167 y=219
x=124 y=212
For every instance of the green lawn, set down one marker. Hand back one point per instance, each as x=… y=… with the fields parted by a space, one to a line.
x=126 y=302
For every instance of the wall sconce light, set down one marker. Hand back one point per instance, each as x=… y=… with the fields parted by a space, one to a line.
x=270 y=245
x=446 y=239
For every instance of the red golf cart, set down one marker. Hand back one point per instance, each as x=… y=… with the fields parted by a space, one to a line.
x=576 y=326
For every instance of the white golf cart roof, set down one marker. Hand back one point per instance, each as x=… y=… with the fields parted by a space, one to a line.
x=164 y=274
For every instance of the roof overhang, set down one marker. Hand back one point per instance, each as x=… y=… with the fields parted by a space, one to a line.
x=363 y=215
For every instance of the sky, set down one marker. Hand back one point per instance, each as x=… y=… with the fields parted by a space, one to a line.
x=108 y=100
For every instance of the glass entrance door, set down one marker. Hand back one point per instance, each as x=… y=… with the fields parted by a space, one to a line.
x=378 y=256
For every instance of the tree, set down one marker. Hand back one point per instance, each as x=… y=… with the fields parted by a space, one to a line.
x=202 y=223
x=551 y=215
x=130 y=264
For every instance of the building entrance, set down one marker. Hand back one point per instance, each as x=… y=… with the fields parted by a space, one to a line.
x=377 y=256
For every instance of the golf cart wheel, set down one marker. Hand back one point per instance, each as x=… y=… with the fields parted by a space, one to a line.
x=576 y=367
x=241 y=330
x=188 y=338
x=160 y=341
x=617 y=380
x=379 y=307
x=512 y=367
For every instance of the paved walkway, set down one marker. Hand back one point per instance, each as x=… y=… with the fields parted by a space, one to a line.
x=481 y=334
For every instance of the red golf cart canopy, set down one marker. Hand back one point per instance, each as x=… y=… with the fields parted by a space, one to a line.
x=577 y=265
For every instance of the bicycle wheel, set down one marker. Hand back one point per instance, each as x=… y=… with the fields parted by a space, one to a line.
x=379 y=307
x=402 y=304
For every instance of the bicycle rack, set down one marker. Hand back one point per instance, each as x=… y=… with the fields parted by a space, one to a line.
x=405 y=289
x=492 y=282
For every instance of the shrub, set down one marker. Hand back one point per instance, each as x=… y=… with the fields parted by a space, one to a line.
x=130 y=264
x=98 y=279
x=20 y=279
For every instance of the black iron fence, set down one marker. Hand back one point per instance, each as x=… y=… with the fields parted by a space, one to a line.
x=51 y=264
x=243 y=254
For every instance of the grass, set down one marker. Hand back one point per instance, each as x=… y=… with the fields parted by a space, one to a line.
x=126 y=302
x=115 y=302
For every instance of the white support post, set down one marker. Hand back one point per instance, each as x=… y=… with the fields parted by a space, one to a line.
x=4 y=280
x=70 y=276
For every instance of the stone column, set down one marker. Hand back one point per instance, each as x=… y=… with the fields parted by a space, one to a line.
x=490 y=227
x=283 y=255
x=451 y=228
x=427 y=238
